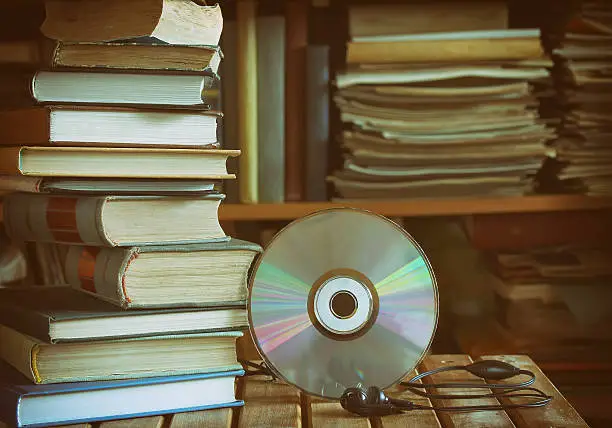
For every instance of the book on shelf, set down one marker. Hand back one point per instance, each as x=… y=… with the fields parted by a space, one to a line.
x=23 y=404
x=116 y=162
x=583 y=78
x=523 y=231
x=477 y=46
x=449 y=109
x=270 y=33
x=57 y=314
x=262 y=73
x=246 y=95
x=269 y=62
x=317 y=121
x=437 y=17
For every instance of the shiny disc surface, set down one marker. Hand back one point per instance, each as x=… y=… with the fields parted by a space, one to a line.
x=342 y=298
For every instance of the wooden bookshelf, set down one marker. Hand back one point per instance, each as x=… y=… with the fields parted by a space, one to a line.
x=416 y=208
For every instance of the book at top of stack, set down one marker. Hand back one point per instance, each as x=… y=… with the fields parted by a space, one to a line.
x=109 y=151
x=440 y=100
x=584 y=75
x=107 y=112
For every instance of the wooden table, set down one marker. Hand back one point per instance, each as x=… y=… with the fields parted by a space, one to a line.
x=274 y=404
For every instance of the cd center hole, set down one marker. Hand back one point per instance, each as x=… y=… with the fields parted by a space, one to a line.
x=343 y=304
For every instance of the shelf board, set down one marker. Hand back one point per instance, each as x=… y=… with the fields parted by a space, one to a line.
x=418 y=208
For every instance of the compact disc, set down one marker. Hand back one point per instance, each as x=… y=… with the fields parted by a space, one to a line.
x=342 y=298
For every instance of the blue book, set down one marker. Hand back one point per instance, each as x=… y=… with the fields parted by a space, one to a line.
x=23 y=404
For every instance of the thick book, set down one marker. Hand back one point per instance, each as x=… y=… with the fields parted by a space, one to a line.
x=444 y=47
x=105 y=186
x=58 y=314
x=25 y=405
x=317 y=121
x=296 y=41
x=116 y=162
x=43 y=53
x=271 y=108
x=206 y=274
x=112 y=220
x=367 y=20
x=228 y=72
x=177 y=22
x=132 y=358
x=246 y=84
x=109 y=88
x=78 y=125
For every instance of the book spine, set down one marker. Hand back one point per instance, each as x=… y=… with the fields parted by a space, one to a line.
x=271 y=108
x=25 y=126
x=20 y=352
x=43 y=218
x=521 y=231
x=17 y=88
x=9 y=405
x=100 y=272
x=296 y=40
x=317 y=121
x=35 y=324
x=21 y=184
x=444 y=50
x=211 y=93
x=246 y=60
x=229 y=79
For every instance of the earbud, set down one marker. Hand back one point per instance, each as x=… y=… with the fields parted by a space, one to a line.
x=372 y=402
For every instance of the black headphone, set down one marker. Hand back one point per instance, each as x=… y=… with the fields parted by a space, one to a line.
x=373 y=401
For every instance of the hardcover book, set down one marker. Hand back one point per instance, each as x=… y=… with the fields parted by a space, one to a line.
x=133 y=358
x=112 y=220
x=25 y=405
x=58 y=314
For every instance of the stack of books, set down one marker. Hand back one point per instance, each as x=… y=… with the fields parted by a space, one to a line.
x=112 y=165
x=439 y=101
x=554 y=300
x=584 y=76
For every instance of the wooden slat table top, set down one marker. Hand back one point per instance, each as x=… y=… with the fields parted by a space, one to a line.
x=491 y=418
x=274 y=404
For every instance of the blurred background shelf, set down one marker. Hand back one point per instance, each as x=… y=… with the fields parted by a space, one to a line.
x=416 y=208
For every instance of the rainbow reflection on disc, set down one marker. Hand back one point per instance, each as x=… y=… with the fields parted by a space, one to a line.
x=342 y=298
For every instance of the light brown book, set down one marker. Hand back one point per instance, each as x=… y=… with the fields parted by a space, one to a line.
x=246 y=62
x=483 y=46
x=137 y=56
x=118 y=359
x=45 y=53
x=164 y=276
x=169 y=21
x=115 y=162
x=377 y=19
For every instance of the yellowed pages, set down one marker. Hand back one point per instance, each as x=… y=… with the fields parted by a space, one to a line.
x=443 y=50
